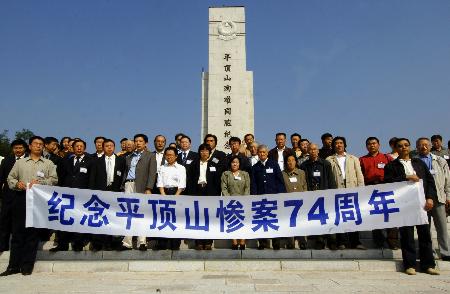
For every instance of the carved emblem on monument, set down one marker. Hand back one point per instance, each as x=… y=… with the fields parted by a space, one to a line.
x=227 y=30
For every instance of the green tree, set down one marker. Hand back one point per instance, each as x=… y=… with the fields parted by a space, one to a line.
x=4 y=143
x=24 y=134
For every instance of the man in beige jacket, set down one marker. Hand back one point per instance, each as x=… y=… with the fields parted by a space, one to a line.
x=347 y=172
x=438 y=167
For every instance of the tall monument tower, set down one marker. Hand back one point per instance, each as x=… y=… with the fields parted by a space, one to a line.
x=227 y=87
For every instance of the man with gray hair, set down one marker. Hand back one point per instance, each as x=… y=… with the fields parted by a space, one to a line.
x=438 y=167
x=266 y=178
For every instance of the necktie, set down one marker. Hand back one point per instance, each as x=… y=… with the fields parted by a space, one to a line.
x=184 y=158
x=77 y=163
x=109 y=171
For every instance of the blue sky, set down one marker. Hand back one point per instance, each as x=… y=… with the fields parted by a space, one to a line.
x=115 y=68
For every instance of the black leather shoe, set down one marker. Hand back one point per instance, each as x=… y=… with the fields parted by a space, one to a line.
x=58 y=248
x=261 y=247
x=27 y=271
x=142 y=247
x=302 y=246
x=10 y=271
x=276 y=247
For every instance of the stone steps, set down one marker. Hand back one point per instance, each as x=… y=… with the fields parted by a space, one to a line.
x=62 y=266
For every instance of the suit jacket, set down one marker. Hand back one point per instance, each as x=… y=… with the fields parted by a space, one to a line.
x=232 y=186
x=213 y=174
x=98 y=177
x=395 y=172
x=219 y=157
x=190 y=159
x=5 y=167
x=76 y=177
x=264 y=182
x=324 y=181
x=145 y=171
x=353 y=174
x=273 y=153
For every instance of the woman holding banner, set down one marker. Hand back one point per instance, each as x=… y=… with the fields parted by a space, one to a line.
x=235 y=182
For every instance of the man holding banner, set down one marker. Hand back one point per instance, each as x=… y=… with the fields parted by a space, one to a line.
x=406 y=169
x=26 y=172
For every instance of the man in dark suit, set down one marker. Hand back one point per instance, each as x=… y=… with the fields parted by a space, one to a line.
x=107 y=175
x=186 y=157
x=140 y=178
x=217 y=156
x=19 y=148
x=160 y=144
x=235 y=146
x=278 y=153
x=75 y=172
x=266 y=178
x=402 y=169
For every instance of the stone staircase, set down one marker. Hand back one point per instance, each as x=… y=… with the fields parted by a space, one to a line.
x=221 y=258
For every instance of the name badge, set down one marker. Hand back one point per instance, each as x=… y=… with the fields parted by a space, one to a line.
x=269 y=170
x=238 y=178
x=40 y=174
x=433 y=172
x=212 y=168
x=293 y=180
x=446 y=157
x=316 y=173
x=83 y=170
x=215 y=160
x=188 y=161
x=381 y=165
x=119 y=173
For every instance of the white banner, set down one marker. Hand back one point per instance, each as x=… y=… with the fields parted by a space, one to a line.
x=230 y=217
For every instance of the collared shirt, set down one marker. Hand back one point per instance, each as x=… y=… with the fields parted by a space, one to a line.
x=159 y=158
x=110 y=162
x=427 y=160
x=46 y=154
x=302 y=158
x=409 y=170
x=341 y=159
x=373 y=167
x=27 y=169
x=75 y=159
x=172 y=176
x=443 y=152
x=281 y=158
x=134 y=161
x=203 y=168
x=264 y=162
x=100 y=154
x=254 y=159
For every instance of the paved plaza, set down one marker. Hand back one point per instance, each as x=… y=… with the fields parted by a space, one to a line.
x=226 y=282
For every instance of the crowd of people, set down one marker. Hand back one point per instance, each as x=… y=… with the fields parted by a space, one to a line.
x=248 y=169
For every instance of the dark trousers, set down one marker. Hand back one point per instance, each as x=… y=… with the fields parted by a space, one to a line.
x=202 y=191
x=379 y=238
x=409 y=247
x=78 y=240
x=24 y=241
x=6 y=214
x=348 y=239
x=166 y=243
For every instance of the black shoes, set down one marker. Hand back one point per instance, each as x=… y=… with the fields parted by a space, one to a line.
x=26 y=271
x=10 y=271
x=142 y=247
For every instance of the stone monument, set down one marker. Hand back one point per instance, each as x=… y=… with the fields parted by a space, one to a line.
x=227 y=87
